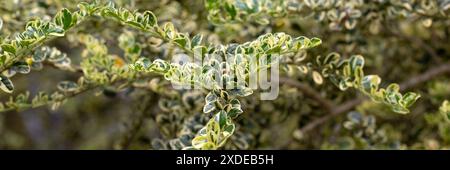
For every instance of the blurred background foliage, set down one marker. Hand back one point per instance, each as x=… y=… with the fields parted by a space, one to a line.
x=405 y=41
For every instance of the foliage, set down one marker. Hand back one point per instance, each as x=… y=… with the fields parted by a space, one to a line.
x=127 y=50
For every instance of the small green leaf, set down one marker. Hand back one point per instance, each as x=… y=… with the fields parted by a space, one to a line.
x=231 y=10
x=142 y=64
x=169 y=30
x=356 y=61
x=222 y=118
x=274 y=50
x=224 y=95
x=109 y=12
x=229 y=130
x=370 y=83
x=349 y=125
x=9 y=73
x=65 y=62
x=199 y=142
x=56 y=56
x=211 y=97
x=400 y=110
x=244 y=92
x=212 y=4
x=36 y=66
x=392 y=88
x=445 y=110
x=40 y=55
x=181 y=41
x=303 y=69
x=355 y=117
x=393 y=98
x=235 y=103
x=134 y=24
x=331 y=58
x=343 y=85
x=234 y=112
x=409 y=99
x=301 y=42
x=160 y=66
x=317 y=77
x=262 y=21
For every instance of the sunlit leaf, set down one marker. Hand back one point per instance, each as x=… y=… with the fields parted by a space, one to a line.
x=6 y=84
x=68 y=86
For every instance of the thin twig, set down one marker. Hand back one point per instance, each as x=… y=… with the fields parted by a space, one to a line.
x=308 y=91
x=420 y=43
x=71 y=68
x=428 y=75
x=138 y=120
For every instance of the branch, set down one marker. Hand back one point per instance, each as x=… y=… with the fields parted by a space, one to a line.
x=137 y=120
x=308 y=91
x=428 y=75
x=340 y=109
x=419 y=42
x=72 y=68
